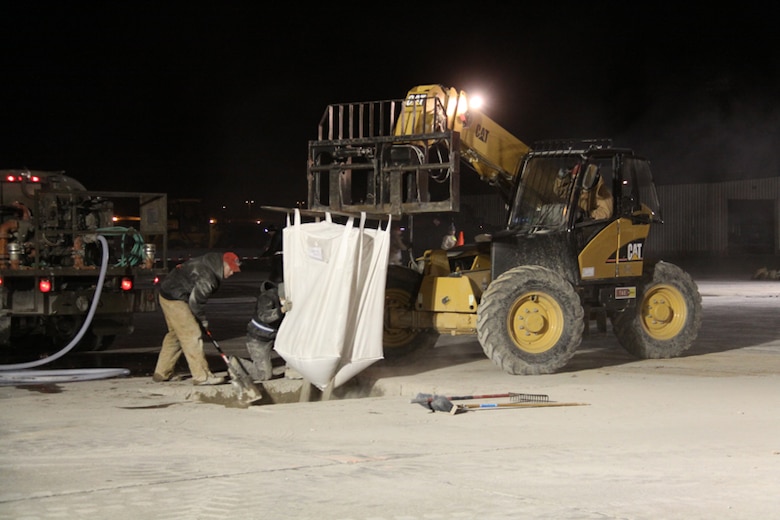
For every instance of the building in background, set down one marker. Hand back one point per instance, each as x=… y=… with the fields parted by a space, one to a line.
x=709 y=221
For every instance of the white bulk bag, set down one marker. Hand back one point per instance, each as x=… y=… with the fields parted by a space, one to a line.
x=363 y=342
x=335 y=278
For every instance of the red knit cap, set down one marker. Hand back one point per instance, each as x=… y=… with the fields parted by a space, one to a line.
x=232 y=261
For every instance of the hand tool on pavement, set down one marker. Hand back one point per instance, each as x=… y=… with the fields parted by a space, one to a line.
x=490 y=406
x=441 y=403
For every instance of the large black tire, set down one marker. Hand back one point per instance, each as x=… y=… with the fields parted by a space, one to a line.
x=667 y=317
x=530 y=321
x=400 y=293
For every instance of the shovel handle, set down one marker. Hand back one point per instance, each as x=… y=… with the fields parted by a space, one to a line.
x=515 y=405
x=207 y=332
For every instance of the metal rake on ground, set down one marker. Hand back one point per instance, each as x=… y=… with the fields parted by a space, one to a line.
x=441 y=403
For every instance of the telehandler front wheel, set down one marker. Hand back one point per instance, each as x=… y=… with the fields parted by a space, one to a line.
x=667 y=316
x=530 y=321
x=400 y=294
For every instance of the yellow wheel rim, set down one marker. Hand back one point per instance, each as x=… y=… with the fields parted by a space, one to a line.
x=664 y=312
x=535 y=322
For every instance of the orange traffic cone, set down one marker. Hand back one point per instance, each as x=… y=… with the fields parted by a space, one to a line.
x=460 y=239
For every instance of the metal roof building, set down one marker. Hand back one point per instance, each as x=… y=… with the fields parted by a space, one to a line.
x=721 y=218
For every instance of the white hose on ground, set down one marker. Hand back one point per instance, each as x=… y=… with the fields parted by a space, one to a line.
x=22 y=375
x=66 y=375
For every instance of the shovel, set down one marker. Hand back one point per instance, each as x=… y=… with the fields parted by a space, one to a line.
x=239 y=377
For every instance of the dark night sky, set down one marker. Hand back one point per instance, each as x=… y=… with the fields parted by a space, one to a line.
x=220 y=102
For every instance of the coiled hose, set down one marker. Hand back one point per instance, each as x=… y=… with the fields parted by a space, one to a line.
x=18 y=373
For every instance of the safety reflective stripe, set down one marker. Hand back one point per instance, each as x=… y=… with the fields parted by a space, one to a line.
x=262 y=327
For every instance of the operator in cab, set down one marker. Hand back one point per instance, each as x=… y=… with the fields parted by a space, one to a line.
x=595 y=199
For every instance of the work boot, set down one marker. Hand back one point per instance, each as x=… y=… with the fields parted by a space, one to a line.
x=209 y=381
x=249 y=368
x=260 y=352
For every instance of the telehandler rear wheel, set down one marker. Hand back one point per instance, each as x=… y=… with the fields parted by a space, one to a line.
x=530 y=321
x=667 y=317
x=400 y=293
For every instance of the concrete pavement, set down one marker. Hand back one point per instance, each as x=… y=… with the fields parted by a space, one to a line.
x=693 y=437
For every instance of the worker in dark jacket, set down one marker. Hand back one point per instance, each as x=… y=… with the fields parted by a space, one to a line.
x=183 y=297
x=261 y=331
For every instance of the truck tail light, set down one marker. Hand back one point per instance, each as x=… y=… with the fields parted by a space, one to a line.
x=44 y=285
x=22 y=178
x=127 y=284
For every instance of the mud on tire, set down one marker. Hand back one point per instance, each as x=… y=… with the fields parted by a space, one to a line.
x=667 y=316
x=530 y=321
